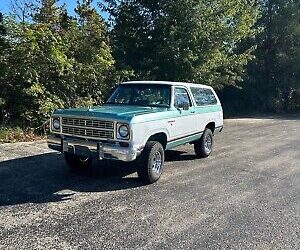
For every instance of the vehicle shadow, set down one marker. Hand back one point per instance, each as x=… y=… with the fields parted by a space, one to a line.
x=41 y=178
x=46 y=178
x=172 y=155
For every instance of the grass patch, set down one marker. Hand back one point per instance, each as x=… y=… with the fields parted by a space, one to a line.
x=16 y=134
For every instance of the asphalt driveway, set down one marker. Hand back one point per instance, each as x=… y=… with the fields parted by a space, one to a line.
x=246 y=195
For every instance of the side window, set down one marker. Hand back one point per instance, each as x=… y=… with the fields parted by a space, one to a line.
x=203 y=96
x=181 y=96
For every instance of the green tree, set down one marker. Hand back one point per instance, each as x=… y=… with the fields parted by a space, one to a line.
x=286 y=40
x=273 y=81
x=92 y=52
x=48 y=12
x=185 y=40
x=3 y=45
x=53 y=64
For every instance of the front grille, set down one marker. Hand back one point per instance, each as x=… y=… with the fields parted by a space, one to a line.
x=103 y=134
x=89 y=128
x=87 y=123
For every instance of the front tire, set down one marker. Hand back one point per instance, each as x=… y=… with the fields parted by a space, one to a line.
x=150 y=163
x=78 y=163
x=203 y=146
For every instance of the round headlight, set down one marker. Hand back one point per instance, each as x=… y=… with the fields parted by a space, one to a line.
x=56 y=123
x=123 y=131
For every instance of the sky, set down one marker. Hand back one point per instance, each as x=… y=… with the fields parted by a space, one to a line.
x=71 y=4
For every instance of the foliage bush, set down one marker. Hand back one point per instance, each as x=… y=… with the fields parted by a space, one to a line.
x=15 y=134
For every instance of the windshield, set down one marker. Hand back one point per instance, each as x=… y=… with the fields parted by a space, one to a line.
x=142 y=95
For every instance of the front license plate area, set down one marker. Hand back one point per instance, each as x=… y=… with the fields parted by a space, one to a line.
x=82 y=151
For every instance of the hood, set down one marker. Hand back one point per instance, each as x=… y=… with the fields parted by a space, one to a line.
x=118 y=112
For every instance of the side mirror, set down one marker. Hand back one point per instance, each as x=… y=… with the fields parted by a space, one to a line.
x=184 y=106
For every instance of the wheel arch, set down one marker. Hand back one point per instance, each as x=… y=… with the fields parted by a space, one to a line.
x=161 y=137
x=211 y=126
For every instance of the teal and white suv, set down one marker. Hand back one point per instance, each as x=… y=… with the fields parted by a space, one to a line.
x=138 y=123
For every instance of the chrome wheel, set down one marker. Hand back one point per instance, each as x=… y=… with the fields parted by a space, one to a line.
x=151 y=162
x=208 y=143
x=203 y=146
x=157 y=162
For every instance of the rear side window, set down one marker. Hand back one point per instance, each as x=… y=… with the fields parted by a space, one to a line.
x=203 y=96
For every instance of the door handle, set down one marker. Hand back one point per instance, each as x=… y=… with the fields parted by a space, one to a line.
x=193 y=112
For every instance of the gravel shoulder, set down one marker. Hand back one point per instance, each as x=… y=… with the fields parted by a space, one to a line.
x=246 y=195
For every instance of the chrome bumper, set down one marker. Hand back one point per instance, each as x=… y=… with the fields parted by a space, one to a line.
x=93 y=149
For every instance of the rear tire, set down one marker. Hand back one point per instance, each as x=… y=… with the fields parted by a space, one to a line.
x=203 y=146
x=150 y=163
x=78 y=163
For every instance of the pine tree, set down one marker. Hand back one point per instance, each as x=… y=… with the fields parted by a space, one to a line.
x=48 y=12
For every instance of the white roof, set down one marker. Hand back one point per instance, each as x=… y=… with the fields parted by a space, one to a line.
x=186 y=84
